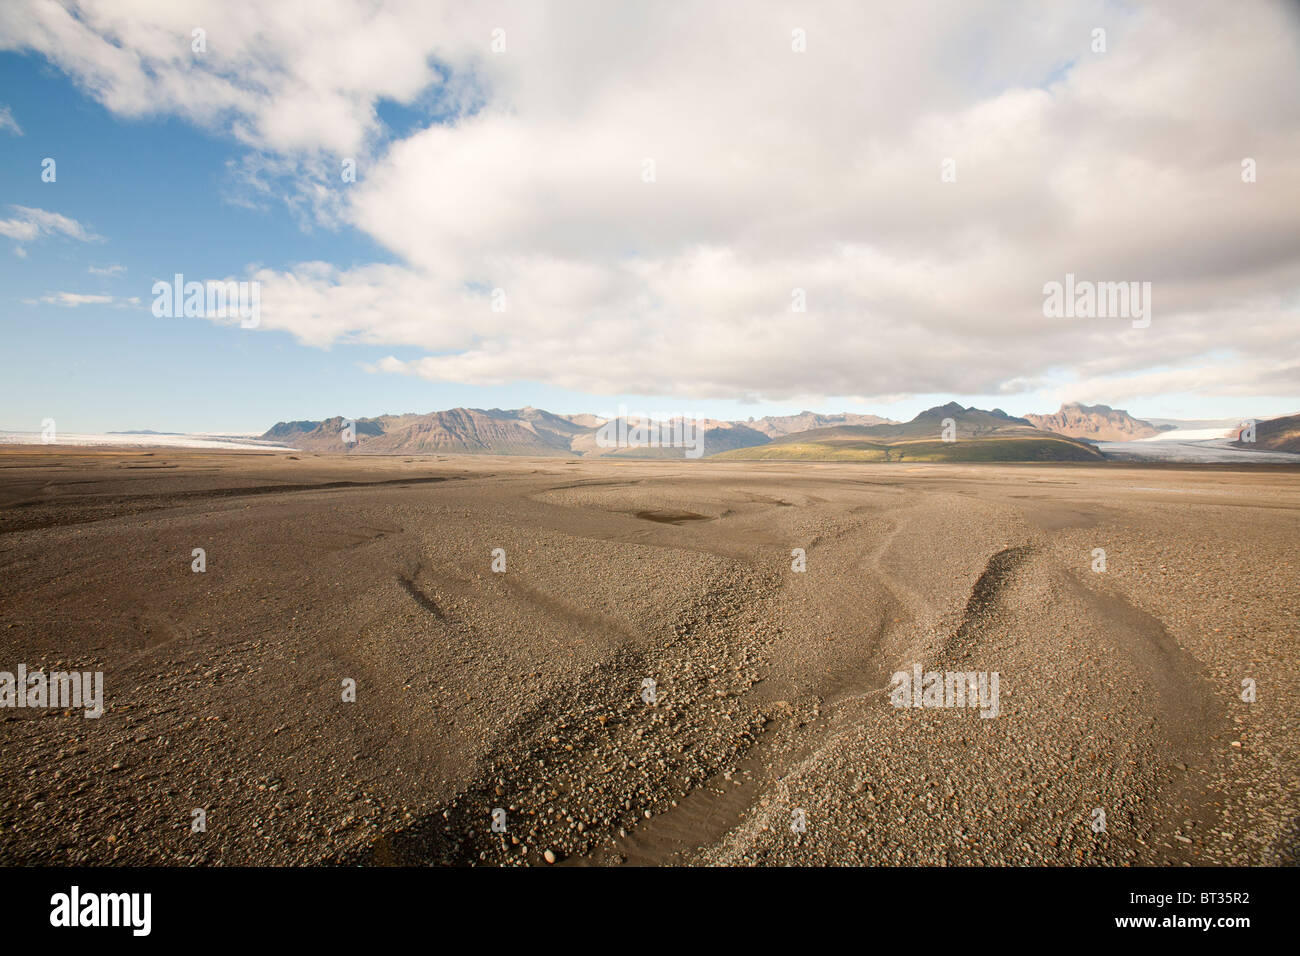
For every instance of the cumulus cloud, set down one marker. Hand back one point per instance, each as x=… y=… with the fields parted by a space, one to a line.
x=7 y=122
x=71 y=300
x=633 y=198
x=1256 y=376
x=30 y=224
x=285 y=77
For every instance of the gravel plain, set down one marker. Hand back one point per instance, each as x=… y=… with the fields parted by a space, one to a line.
x=649 y=681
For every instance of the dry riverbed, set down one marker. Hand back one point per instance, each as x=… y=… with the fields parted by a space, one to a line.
x=649 y=680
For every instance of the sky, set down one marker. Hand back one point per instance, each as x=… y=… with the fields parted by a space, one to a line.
x=721 y=209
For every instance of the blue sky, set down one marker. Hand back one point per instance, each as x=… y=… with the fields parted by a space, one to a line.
x=160 y=194
x=480 y=170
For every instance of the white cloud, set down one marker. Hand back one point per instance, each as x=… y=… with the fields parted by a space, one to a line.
x=1256 y=376
x=284 y=77
x=30 y=224
x=775 y=170
x=71 y=300
x=8 y=123
x=113 y=270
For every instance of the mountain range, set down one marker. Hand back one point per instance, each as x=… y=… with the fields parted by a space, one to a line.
x=774 y=426
x=948 y=432
x=945 y=433
x=975 y=433
x=475 y=431
x=1276 y=434
x=1096 y=423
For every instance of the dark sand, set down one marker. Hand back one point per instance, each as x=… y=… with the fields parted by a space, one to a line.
x=523 y=690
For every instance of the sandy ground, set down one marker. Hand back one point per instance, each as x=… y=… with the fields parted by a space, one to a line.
x=771 y=737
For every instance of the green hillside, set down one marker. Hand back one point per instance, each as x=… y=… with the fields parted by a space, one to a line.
x=981 y=436
x=1046 y=448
